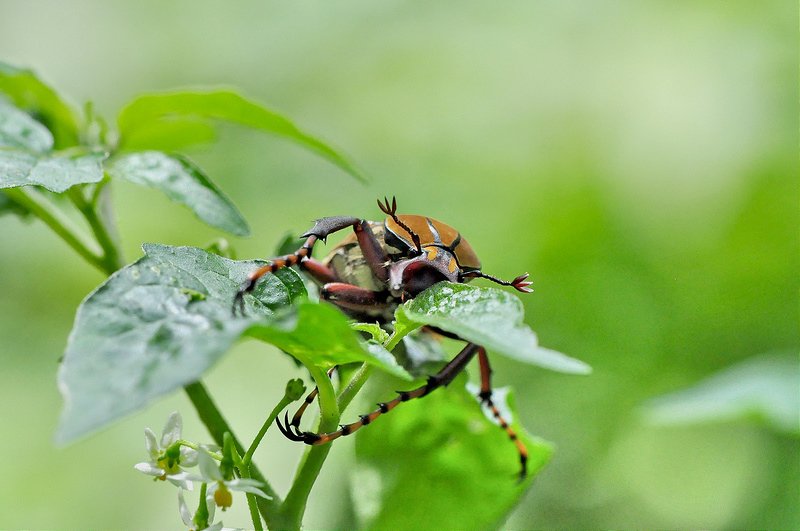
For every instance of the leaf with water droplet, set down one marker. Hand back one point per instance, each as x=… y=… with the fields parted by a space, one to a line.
x=487 y=316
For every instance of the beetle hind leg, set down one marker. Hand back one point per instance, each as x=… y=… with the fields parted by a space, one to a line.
x=440 y=379
x=485 y=397
x=291 y=429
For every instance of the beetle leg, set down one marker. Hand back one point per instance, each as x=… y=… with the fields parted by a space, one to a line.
x=325 y=226
x=391 y=210
x=440 y=379
x=298 y=415
x=318 y=270
x=485 y=396
x=519 y=283
x=351 y=297
x=373 y=251
x=277 y=263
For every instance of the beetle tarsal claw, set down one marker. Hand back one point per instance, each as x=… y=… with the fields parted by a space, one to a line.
x=520 y=284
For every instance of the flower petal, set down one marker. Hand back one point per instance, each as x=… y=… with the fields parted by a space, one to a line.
x=181 y=483
x=208 y=467
x=150 y=469
x=247 y=485
x=172 y=430
x=186 y=515
x=151 y=443
x=188 y=457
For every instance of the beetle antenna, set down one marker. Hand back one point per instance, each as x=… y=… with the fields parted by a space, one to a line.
x=519 y=283
x=391 y=210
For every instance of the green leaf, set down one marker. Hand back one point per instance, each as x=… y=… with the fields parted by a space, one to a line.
x=440 y=463
x=421 y=353
x=170 y=135
x=763 y=388
x=145 y=331
x=184 y=183
x=57 y=172
x=161 y=322
x=319 y=334
x=486 y=316
x=32 y=95
x=19 y=131
x=378 y=334
x=141 y=123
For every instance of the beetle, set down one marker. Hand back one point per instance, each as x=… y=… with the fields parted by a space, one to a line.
x=373 y=270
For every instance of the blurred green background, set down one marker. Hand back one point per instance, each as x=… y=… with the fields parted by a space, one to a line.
x=639 y=159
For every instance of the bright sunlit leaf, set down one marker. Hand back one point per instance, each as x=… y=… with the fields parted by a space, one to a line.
x=32 y=95
x=189 y=114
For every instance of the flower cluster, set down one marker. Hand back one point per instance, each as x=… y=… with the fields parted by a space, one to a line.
x=171 y=456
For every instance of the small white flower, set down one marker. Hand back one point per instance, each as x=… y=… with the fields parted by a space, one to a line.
x=166 y=465
x=188 y=517
x=219 y=488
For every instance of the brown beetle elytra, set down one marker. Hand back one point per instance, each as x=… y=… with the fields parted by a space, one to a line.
x=369 y=273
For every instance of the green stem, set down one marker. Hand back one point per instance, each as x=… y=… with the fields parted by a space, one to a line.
x=293 y=508
x=112 y=256
x=59 y=224
x=255 y=517
x=354 y=385
x=196 y=447
x=211 y=416
x=248 y=457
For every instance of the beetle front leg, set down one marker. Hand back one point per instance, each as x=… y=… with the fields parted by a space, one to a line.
x=277 y=263
x=321 y=229
x=520 y=283
x=485 y=396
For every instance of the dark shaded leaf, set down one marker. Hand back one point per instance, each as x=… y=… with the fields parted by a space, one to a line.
x=440 y=463
x=141 y=123
x=486 y=316
x=33 y=96
x=184 y=183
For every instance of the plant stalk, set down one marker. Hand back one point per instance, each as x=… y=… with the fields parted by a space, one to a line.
x=216 y=424
x=58 y=224
x=294 y=506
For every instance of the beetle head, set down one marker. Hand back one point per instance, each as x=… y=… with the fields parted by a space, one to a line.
x=407 y=278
